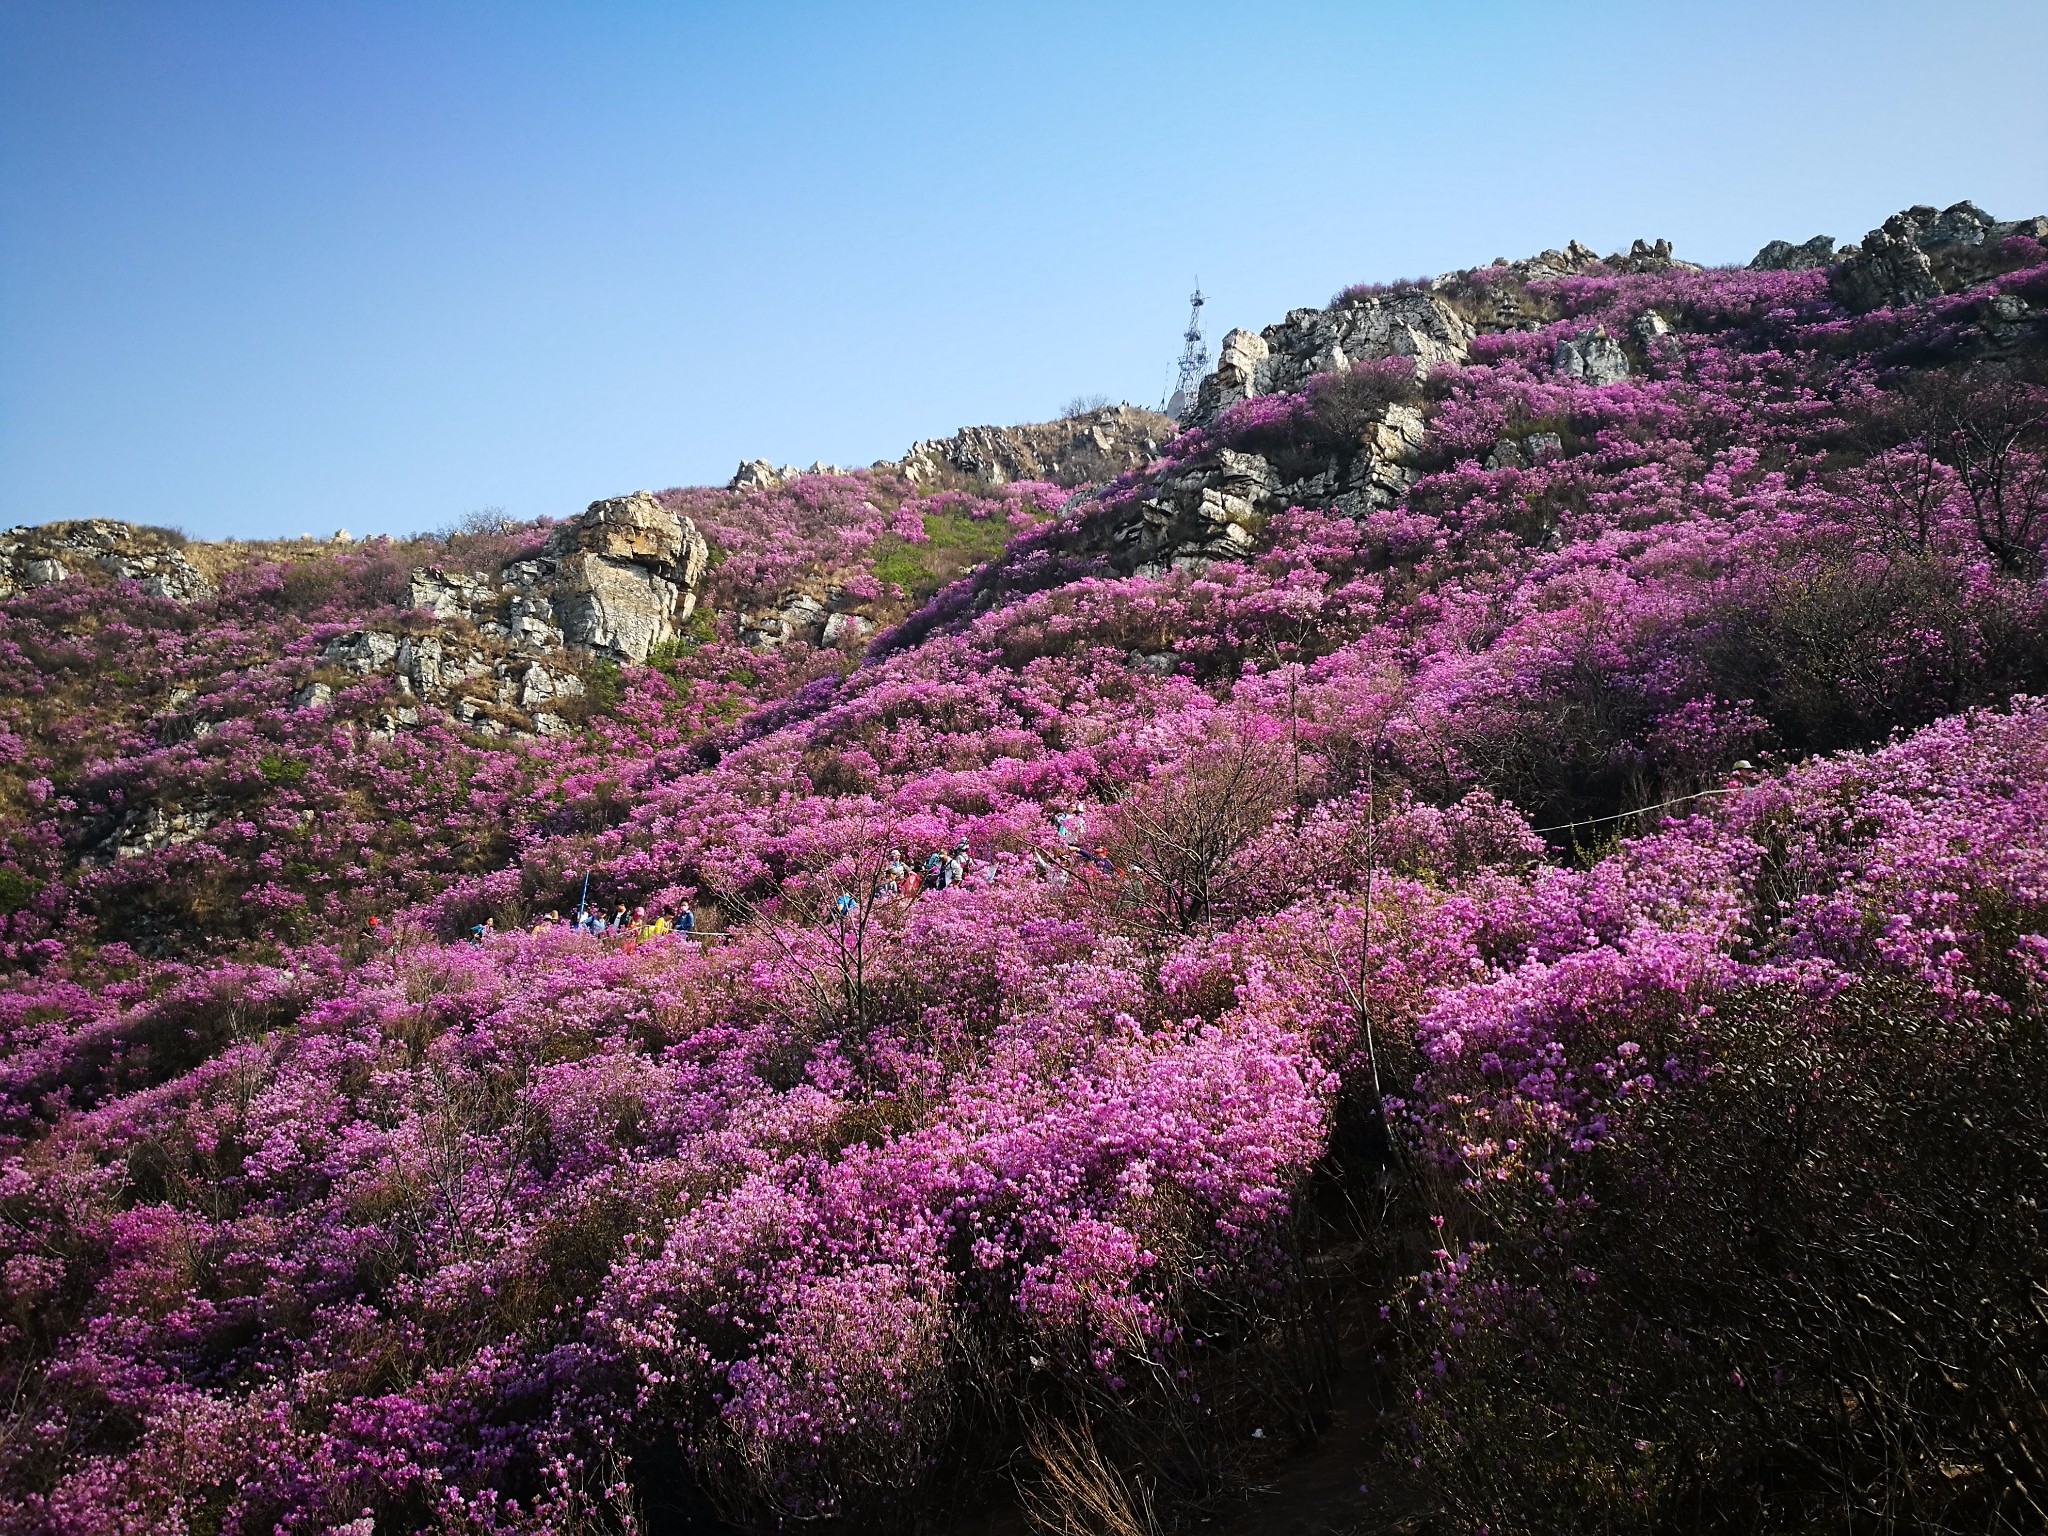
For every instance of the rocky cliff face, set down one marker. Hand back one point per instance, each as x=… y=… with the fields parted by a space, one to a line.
x=619 y=580
x=1082 y=449
x=1919 y=253
x=1075 y=450
x=1411 y=323
x=614 y=583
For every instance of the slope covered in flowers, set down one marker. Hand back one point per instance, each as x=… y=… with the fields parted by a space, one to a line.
x=1563 y=951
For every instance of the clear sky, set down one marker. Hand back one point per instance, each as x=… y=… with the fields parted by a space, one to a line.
x=277 y=267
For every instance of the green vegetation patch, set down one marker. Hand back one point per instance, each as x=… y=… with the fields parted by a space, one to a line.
x=955 y=544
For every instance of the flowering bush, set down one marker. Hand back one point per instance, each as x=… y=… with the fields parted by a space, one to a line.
x=1592 y=909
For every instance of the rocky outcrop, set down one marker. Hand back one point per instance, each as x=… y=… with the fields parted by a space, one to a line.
x=625 y=575
x=620 y=580
x=817 y=615
x=1413 y=323
x=760 y=475
x=1212 y=507
x=492 y=693
x=149 y=828
x=1647 y=256
x=1919 y=253
x=1593 y=357
x=1784 y=256
x=56 y=552
x=797 y=615
x=1081 y=449
x=1207 y=510
x=488 y=648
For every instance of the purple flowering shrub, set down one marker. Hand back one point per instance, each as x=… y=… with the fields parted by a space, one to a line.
x=1568 y=944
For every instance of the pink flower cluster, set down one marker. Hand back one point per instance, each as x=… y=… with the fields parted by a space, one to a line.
x=1479 y=809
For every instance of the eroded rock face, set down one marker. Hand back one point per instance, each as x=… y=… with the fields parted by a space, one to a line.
x=455 y=671
x=1647 y=256
x=1082 y=449
x=1919 y=253
x=42 y=556
x=1212 y=507
x=621 y=579
x=1784 y=256
x=760 y=475
x=626 y=575
x=1593 y=357
x=1412 y=323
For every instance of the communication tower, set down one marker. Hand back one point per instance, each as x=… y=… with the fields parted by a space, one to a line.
x=1194 y=361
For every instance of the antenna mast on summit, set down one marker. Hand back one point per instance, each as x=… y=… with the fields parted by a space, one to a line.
x=1194 y=360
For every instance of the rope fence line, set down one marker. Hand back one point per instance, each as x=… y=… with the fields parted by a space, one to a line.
x=1641 y=810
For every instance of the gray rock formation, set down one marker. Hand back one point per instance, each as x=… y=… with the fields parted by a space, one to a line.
x=1593 y=356
x=1647 y=256
x=149 y=828
x=845 y=629
x=1076 y=450
x=1919 y=253
x=760 y=475
x=626 y=575
x=443 y=594
x=621 y=579
x=42 y=556
x=1784 y=256
x=797 y=615
x=1407 y=322
x=456 y=670
x=1212 y=507
x=1569 y=262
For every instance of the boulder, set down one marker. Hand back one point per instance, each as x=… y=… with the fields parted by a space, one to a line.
x=1592 y=356
x=1574 y=259
x=444 y=595
x=845 y=628
x=1891 y=269
x=760 y=475
x=155 y=828
x=799 y=616
x=626 y=575
x=363 y=651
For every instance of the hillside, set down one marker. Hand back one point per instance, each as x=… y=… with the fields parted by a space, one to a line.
x=1490 y=976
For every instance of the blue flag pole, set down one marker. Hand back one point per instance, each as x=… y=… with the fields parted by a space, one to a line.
x=583 y=900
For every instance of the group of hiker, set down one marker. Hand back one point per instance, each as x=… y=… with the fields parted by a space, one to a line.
x=630 y=927
x=944 y=868
x=1068 y=855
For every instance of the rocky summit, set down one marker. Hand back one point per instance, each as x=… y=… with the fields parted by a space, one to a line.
x=1456 y=942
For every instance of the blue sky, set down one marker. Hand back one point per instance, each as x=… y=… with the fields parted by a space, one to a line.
x=277 y=267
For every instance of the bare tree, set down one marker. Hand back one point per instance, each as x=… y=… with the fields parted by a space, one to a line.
x=1175 y=834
